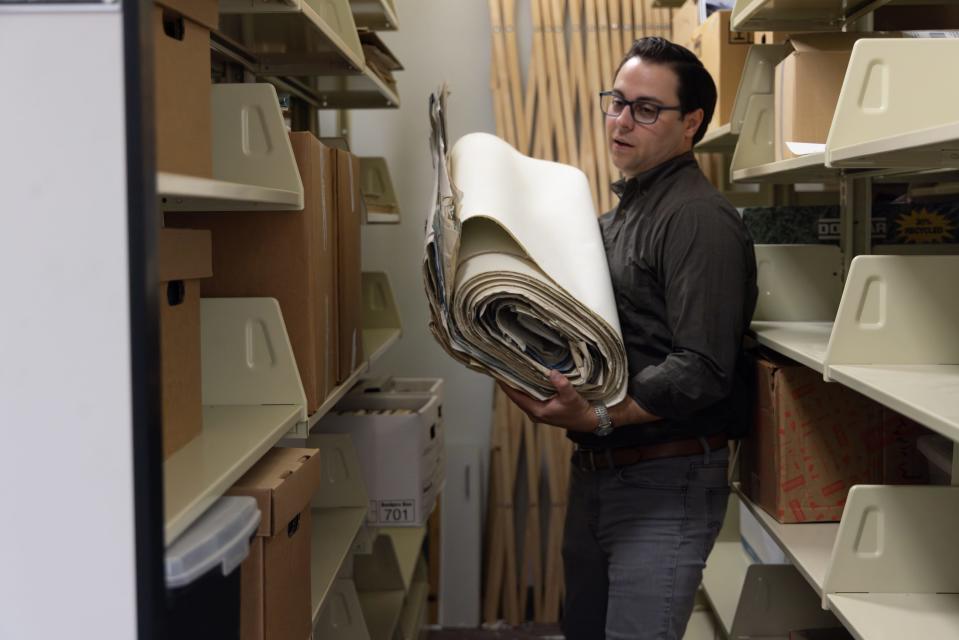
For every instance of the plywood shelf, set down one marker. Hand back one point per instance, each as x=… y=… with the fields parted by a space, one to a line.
x=334 y=530
x=889 y=115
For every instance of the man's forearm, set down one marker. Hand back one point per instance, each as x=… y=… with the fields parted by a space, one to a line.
x=629 y=412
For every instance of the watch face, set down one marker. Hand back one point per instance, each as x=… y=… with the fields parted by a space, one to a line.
x=604 y=430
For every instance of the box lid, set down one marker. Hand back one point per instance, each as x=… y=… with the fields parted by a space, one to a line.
x=283 y=482
x=221 y=536
x=204 y=12
x=184 y=254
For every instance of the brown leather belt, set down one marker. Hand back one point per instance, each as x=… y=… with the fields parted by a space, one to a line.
x=595 y=459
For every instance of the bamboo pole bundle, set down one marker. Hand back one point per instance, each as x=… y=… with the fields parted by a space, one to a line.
x=513 y=71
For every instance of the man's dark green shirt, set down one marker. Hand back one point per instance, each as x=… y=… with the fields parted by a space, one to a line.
x=684 y=274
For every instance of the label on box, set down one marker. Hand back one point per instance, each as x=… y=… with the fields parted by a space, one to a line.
x=393 y=511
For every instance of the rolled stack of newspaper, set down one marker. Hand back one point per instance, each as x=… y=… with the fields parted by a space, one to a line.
x=515 y=269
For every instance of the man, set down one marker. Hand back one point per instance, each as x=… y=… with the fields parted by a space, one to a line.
x=649 y=483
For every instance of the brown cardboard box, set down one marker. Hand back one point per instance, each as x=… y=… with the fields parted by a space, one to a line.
x=182 y=94
x=275 y=578
x=348 y=282
x=770 y=37
x=723 y=53
x=806 y=89
x=287 y=255
x=685 y=23
x=203 y=12
x=184 y=258
x=812 y=441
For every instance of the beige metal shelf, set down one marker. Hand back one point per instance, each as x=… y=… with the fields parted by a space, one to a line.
x=892 y=616
x=726 y=568
x=252 y=396
x=928 y=394
x=363 y=91
x=233 y=439
x=407 y=545
x=253 y=164
x=375 y=15
x=334 y=530
x=809 y=546
x=799 y=15
x=382 y=609
x=414 y=611
x=718 y=140
x=804 y=342
x=808 y=168
x=889 y=115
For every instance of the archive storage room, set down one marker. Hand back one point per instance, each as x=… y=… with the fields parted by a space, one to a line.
x=479 y=319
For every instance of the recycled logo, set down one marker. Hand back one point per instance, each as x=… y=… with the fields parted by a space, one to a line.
x=924 y=227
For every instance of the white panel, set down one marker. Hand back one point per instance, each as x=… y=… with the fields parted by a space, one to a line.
x=889 y=113
x=798 y=282
x=896 y=539
x=247 y=356
x=67 y=548
x=461 y=530
x=898 y=310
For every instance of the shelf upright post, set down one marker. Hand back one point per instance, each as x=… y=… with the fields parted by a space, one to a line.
x=855 y=219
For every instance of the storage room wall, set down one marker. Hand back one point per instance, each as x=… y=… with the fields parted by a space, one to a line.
x=436 y=41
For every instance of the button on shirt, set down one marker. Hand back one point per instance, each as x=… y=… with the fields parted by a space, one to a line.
x=684 y=274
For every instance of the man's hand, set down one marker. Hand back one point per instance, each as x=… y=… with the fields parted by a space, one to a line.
x=571 y=411
x=567 y=409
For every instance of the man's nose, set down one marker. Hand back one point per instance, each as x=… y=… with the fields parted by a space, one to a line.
x=625 y=118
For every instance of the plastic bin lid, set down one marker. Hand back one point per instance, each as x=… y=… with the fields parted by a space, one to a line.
x=221 y=536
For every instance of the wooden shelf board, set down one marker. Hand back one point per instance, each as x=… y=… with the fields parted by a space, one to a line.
x=808 y=168
x=723 y=580
x=333 y=532
x=381 y=609
x=190 y=193
x=928 y=394
x=232 y=440
x=719 y=139
x=804 y=342
x=808 y=545
x=894 y=616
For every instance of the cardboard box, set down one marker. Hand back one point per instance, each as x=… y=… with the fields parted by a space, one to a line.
x=203 y=12
x=275 y=579
x=770 y=37
x=287 y=255
x=348 y=267
x=398 y=440
x=723 y=53
x=812 y=441
x=685 y=23
x=806 y=89
x=181 y=78
x=184 y=258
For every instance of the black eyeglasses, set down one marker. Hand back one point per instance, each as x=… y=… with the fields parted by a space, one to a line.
x=643 y=111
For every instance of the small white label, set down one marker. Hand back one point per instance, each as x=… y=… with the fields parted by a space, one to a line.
x=395 y=511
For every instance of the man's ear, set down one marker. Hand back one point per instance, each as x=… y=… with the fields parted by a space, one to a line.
x=692 y=122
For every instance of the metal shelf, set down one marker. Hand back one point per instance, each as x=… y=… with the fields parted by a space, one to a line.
x=804 y=342
x=381 y=609
x=799 y=15
x=334 y=530
x=808 y=168
x=375 y=15
x=718 y=140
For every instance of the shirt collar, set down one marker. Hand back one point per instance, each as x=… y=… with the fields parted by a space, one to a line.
x=647 y=178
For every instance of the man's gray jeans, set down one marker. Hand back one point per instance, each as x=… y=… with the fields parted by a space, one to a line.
x=635 y=545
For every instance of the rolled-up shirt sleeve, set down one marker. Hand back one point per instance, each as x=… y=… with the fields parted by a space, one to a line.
x=704 y=275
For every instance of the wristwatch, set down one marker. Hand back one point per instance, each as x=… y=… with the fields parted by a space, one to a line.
x=605 y=426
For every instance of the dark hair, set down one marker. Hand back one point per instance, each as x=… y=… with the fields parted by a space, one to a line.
x=696 y=87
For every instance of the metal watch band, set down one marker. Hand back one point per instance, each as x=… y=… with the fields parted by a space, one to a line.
x=605 y=426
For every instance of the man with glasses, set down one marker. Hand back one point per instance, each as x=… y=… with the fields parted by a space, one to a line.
x=649 y=482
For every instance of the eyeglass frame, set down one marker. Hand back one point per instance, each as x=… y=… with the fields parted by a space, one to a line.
x=630 y=103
